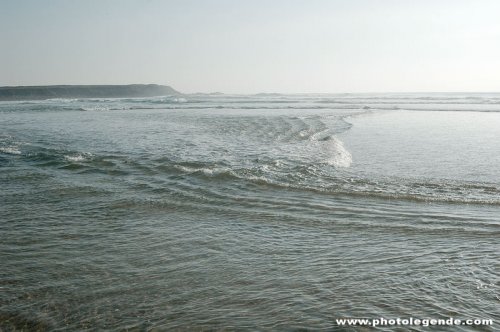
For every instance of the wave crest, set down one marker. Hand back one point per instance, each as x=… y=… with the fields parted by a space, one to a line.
x=340 y=156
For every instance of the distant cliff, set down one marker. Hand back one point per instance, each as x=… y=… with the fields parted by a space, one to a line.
x=84 y=91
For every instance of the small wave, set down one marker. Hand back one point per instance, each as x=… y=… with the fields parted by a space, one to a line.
x=340 y=157
x=94 y=108
x=168 y=100
x=78 y=157
x=14 y=150
x=63 y=100
x=207 y=171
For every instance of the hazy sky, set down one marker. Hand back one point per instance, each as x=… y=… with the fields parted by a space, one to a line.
x=250 y=46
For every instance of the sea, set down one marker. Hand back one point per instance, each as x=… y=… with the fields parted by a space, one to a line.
x=249 y=212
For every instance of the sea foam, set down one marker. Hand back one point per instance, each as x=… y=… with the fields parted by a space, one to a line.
x=10 y=150
x=340 y=156
x=78 y=157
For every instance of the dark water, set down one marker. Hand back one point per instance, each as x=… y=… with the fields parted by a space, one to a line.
x=269 y=212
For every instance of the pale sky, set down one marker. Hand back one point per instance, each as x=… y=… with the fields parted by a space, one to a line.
x=250 y=46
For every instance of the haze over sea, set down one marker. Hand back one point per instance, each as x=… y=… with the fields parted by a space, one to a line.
x=248 y=211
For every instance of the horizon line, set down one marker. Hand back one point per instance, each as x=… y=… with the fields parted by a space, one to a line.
x=262 y=92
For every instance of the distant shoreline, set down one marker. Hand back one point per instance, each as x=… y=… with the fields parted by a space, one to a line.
x=17 y=93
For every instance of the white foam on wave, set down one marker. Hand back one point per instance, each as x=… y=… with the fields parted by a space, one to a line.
x=169 y=100
x=10 y=150
x=78 y=157
x=340 y=156
x=94 y=108
x=205 y=170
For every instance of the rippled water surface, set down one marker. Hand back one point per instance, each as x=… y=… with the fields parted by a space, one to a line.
x=270 y=212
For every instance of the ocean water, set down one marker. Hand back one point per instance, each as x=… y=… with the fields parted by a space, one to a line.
x=262 y=212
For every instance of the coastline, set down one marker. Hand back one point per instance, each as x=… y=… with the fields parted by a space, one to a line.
x=19 y=93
